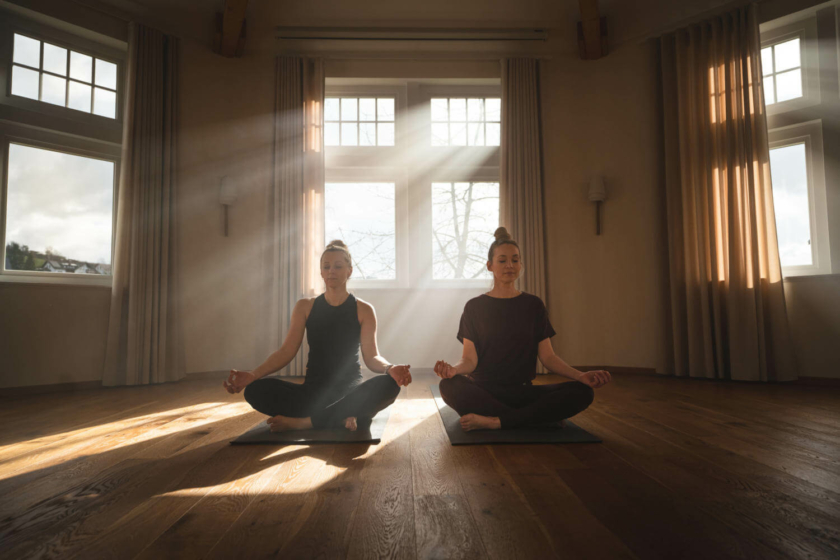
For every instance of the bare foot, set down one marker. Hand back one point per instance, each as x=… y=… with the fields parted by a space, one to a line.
x=478 y=422
x=350 y=423
x=287 y=423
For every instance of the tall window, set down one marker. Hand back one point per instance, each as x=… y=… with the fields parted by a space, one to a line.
x=58 y=212
x=359 y=121
x=363 y=215
x=466 y=121
x=781 y=66
x=67 y=78
x=464 y=217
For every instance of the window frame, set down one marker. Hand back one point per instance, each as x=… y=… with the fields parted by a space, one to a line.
x=48 y=140
x=806 y=31
x=401 y=211
x=338 y=153
x=810 y=133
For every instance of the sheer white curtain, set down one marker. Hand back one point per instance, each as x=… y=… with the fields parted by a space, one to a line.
x=294 y=233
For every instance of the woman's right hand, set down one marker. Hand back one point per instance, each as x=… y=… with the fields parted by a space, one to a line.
x=444 y=370
x=238 y=380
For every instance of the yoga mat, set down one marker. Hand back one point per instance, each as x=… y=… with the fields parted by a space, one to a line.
x=261 y=433
x=570 y=433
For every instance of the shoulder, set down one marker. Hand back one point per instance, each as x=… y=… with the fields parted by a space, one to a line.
x=365 y=309
x=533 y=301
x=304 y=305
x=474 y=303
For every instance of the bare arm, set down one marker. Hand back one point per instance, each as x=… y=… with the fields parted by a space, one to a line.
x=465 y=366
x=555 y=364
x=370 y=351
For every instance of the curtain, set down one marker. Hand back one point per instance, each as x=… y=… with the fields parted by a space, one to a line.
x=521 y=189
x=727 y=299
x=295 y=200
x=144 y=331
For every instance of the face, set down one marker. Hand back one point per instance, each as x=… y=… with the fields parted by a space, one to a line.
x=334 y=269
x=505 y=265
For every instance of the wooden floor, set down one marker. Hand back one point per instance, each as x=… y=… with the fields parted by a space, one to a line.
x=688 y=469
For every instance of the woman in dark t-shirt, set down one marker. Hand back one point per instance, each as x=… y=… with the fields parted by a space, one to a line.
x=504 y=332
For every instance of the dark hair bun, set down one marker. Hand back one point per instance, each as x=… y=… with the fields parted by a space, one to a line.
x=501 y=234
x=337 y=243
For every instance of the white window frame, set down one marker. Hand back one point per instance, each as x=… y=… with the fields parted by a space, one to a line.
x=335 y=154
x=806 y=30
x=381 y=175
x=10 y=134
x=810 y=133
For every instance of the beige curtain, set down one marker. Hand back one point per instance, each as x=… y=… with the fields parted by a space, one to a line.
x=295 y=232
x=144 y=331
x=521 y=188
x=728 y=305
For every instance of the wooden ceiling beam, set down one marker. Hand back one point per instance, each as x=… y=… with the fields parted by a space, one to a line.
x=230 y=33
x=592 y=31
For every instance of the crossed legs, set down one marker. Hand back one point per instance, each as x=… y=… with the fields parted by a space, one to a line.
x=514 y=406
x=294 y=406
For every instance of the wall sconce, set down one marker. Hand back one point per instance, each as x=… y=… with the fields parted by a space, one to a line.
x=227 y=196
x=597 y=194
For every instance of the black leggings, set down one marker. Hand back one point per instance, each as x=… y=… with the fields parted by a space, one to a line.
x=516 y=405
x=276 y=397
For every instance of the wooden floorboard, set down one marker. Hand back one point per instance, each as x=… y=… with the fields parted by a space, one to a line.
x=687 y=469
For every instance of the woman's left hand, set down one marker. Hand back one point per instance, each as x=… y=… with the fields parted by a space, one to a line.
x=401 y=374
x=596 y=378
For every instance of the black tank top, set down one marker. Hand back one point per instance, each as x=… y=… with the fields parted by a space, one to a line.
x=333 y=336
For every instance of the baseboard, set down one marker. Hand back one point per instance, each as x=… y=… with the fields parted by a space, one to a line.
x=51 y=388
x=819 y=381
x=620 y=370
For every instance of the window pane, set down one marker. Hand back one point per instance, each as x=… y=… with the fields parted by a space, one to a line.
x=476 y=134
x=440 y=134
x=386 y=109
x=348 y=133
x=476 y=109
x=787 y=55
x=106 y=74
x=27 y=51
x=59 y=210
x=79 y=97
x=349 y=110
x=769 y=90
x=53 y=89
x=332 y=135
x=55 y=59
x=386 y=134
x=458 y=110
x=462 y=252
x=81 y=66
x=440 y=110
x=367 y=134
x=363 y=216
x=367 y=109
x=790 y=200
x=24 y=82
x=789 y=85
x=458 y=134
x=767 y=61
x=493 y=109
x=104 y=103
x=331 y=109
x=494 y=134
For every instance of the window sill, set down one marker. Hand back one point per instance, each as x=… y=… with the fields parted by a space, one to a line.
x=812 y=277
x=57 y=279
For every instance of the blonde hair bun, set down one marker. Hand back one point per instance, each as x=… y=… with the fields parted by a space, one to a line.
x=501 y=234
x=337 y=243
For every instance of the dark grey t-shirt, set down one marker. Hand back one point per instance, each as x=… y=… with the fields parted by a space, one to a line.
x=506 y=334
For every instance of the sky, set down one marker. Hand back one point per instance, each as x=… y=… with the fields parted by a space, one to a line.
x=788 y=169
x=61 y=201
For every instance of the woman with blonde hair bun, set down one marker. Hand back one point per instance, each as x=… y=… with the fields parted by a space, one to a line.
x=333 y=394
x=504 y=332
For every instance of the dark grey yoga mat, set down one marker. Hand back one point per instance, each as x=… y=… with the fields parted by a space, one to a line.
x=570 y=433
x=261 y=433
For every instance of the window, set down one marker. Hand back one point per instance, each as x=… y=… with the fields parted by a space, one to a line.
x=359 y=121
x=51 y=74
x=464 y=217
x=59 y=212
x=796 y=166
x=466 y=121
x=781 y=66
x=363 y=215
